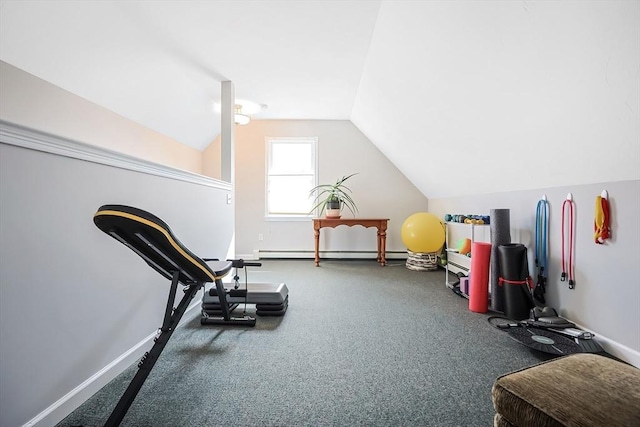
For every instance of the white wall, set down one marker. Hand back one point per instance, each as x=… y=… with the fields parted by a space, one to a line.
x=76 y=307
x=494 y=103
x=380 y=190
x=212 y=158
x=458 y=94
x=35 y=103
x=73 y=300
x=606 y=298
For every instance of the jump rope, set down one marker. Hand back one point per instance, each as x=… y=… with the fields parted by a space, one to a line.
x=568 y=225
x=542 y=242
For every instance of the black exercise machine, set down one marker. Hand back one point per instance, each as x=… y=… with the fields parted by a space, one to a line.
x=152 y=239
x=270 y=299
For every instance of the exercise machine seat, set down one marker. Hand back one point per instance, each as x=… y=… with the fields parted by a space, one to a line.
x=152 y=239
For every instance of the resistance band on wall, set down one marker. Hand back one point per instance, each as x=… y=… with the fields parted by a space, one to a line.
x=542 y=227
x=601 y=224
x=567 y=231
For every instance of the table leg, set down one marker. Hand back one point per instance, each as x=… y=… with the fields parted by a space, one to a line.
x=316 y=234
x=383 y=247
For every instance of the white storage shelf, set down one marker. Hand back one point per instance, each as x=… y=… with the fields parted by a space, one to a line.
x=454 y=231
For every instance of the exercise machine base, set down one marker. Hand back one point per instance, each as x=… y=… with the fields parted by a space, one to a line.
x=233 y=321
x=270 y=299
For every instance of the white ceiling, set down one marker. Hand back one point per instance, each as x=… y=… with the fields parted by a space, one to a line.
x=160 y=63
x=463 y=97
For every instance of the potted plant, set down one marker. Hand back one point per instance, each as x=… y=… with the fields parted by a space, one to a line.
x=333 y=198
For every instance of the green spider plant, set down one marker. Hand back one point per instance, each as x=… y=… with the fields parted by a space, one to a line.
x=333 y=196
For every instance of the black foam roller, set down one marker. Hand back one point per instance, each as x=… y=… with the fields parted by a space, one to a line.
x=500 y=226
x=515 y=268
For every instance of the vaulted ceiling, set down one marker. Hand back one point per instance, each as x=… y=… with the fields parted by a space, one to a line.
x=463 y=97
x=160 y=63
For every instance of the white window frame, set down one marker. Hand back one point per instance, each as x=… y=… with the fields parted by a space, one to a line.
x=303 y=139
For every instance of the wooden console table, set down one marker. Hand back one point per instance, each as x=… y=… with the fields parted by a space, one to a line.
x=380 y=224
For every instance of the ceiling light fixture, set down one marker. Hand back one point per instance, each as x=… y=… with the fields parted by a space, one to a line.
x=239 y=118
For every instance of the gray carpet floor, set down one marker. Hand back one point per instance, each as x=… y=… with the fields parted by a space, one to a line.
x=360 y=345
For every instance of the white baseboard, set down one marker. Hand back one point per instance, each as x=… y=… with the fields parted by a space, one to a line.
x=308 y=254
x=616 y=349
x=76 y=397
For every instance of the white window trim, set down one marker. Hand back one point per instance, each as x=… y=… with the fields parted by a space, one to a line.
x=293 y=218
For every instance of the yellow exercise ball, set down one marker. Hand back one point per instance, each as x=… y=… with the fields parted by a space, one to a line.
x=422 y=232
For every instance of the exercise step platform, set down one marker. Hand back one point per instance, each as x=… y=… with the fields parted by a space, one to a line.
x=270 y=299
x=215 y=310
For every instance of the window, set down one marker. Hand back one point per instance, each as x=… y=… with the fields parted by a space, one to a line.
x=291 y=174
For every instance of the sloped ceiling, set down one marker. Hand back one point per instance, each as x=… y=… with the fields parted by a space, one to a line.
x=481 y=97
x=160 y=63
x=463 y=97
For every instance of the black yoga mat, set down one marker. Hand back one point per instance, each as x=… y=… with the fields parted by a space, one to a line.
x=500 y=235
x=515 y=268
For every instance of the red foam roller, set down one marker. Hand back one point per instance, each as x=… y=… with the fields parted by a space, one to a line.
x=479 y=280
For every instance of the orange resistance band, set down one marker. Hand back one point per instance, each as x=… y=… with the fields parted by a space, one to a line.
x=601 y=225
